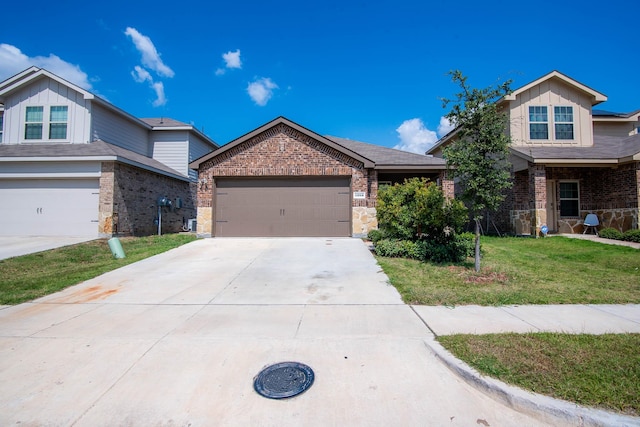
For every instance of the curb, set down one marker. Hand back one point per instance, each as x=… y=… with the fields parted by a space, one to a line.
x=547 y=409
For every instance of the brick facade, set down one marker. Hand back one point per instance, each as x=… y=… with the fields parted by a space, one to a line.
x=610 y=193
x=282 y=151
x=128 y=201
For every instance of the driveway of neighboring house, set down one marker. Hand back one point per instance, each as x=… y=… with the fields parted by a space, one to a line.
x=177 y=339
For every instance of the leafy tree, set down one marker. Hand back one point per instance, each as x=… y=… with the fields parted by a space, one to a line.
x=418 y=209
x=478 y=155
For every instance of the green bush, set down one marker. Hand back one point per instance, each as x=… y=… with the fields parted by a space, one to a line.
x=632 y=236
x=456 y=249
x=394 y=248
x=375 y=236
x=418 y=209
x=610 y=233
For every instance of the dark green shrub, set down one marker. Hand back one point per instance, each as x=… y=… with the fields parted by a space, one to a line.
x=610 y=233
x=375 y=235
x=394 y=248
x=418 y=209
x=456 y=249
x=632 y=236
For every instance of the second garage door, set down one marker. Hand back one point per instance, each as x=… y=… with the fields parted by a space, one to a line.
x=315 y=207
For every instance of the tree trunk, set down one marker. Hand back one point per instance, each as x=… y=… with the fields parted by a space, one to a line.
x=477 y=245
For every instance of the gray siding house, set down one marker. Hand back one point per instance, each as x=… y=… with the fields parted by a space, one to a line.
x=73 y=164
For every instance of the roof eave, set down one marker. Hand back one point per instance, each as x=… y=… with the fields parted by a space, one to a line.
x=596 y=96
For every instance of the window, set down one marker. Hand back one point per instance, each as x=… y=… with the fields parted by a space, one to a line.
x=563 y=121
x=538 y=123
x=41 y=126
x=58 y=122
x=33 y=123
x=569 y=199
x=1 y=123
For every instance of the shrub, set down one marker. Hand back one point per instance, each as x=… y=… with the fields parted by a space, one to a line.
x=632 y=236
x=418 y=209
x=456 y=249
x=394 y=248
x=375 y=235
x=610 y=233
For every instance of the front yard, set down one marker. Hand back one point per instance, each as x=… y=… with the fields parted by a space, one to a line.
x=554 y=270
x=594 y=370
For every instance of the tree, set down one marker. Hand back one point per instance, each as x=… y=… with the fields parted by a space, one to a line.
x=478 y=155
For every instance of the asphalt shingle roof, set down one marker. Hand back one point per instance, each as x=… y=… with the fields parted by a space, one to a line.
x=94 y=149
x=383 y=156
x=604 y=148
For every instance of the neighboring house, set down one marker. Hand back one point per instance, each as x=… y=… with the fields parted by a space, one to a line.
x=285 y=180
x=568 y=159
x=71 y=163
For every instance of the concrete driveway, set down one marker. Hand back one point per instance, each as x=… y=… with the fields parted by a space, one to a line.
x=177 y=339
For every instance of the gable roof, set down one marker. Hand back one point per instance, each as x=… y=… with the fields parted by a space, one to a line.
x=97 y=150
x=34 y=73
x=278 y=121
x=372 y=156
x=596 y=97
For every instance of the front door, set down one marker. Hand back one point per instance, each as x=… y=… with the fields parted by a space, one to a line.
x=552 y=206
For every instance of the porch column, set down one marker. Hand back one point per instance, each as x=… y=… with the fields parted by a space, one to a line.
x=447 y=185
x=537 y=197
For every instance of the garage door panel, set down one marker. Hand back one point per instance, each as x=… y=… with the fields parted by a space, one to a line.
x=52 y=207
x=283 y=207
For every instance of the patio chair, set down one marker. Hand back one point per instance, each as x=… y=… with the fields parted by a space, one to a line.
x=591 y=221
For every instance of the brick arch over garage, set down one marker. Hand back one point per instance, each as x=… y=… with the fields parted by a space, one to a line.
x=285 y=180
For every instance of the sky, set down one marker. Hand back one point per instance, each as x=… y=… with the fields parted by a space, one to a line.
x=372 y=71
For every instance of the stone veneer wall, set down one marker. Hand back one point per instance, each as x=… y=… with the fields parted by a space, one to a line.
x=128 y=201
x=282 y=151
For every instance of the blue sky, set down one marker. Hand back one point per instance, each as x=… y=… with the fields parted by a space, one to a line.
x=372 y=71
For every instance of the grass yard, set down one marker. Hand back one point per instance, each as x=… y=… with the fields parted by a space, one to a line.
x=555 y=270
x=601 y=371
x=31 y=276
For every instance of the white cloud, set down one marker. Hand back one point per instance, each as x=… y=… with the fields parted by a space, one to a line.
x=232 y=59
x=261 y=90
x=161 y=100
x=445 y=126
x=150 y=56
x=220 y=71
x=13 y=61
x=141 y=75
x=415 y=137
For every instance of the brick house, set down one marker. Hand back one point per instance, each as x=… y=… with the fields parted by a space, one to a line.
x=285 y=180
x=568 y=159
x=73 y=164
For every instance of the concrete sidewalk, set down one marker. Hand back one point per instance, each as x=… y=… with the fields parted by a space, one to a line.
x=572 y=319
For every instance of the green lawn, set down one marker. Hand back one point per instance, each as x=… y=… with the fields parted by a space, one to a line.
x=31 y=276
x=555 y=270
x=602 y=371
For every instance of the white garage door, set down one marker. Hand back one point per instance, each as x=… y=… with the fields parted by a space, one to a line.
x=54 y=207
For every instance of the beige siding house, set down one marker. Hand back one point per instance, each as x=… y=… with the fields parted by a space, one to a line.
x=568 y=159
x=73 y=164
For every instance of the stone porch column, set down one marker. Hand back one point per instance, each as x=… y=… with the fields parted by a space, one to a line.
x=537 y=197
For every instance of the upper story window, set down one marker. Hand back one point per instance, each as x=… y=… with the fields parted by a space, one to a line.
x=538 y=122
x=563 y=121
x=58 y=122
x=1 y=123
x=33 y=123
x=55 y=123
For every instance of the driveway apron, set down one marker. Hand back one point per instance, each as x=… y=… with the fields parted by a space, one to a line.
x=178 y=338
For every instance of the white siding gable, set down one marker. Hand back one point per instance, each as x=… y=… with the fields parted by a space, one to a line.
x=197 y=148
x=47 y=92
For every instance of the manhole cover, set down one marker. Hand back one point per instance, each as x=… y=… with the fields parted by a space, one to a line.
x=282 y=380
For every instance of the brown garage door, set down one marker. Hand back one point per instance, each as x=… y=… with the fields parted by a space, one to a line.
x=318 y=207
